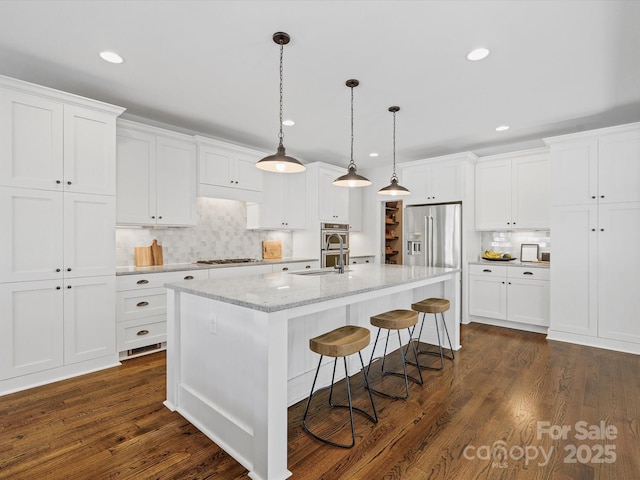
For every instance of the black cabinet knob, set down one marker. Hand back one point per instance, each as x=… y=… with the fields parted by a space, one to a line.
x=68 y=269
x=69 y=286
x=58 y=287
x=58 y=182
x=57 y=270
x=68 y=183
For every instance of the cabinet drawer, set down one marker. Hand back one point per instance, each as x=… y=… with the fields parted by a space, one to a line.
x=155 y=280
x=527 y=273
x=488 y=270
x=140 y=304
x=135 y=334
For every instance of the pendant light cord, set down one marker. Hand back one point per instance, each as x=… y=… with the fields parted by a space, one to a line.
x=351 y=162
x=281 y=135
x=394 y=176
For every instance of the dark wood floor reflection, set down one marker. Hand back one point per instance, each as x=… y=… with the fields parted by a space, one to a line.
x=511 y=406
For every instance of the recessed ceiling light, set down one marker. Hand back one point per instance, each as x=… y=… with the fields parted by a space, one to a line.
x=373 y=154
x=111 y=57
x=478 y=54
x=502 y=128
x=288 y=123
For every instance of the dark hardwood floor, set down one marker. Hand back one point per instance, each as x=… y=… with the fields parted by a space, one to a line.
x=477 y=419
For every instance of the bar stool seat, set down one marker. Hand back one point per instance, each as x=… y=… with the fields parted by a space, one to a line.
x=435 y=306
x=395 y=320
x=341 y=342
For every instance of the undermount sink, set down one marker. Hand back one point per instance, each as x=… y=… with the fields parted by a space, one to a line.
x=311 y=273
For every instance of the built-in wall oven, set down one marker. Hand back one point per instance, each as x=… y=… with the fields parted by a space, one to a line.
x=331 y=235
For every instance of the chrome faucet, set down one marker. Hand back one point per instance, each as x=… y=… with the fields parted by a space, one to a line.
x=341 y=266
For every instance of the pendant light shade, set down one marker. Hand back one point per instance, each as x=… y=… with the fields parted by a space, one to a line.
x=352 y=179
x=394 y=188
x=280 y=162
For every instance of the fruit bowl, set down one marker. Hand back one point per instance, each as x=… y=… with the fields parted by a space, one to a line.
x=497 y=256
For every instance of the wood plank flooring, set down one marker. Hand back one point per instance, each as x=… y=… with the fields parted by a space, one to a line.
x=476 y=419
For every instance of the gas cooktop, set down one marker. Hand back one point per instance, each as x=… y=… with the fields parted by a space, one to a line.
x=221 y=261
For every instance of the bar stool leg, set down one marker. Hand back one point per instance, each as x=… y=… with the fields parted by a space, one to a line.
x=373 y=418
x=440 y=351
x=404 y=366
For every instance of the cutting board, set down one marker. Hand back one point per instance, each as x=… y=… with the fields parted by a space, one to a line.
x=271 y=249
x=148 y=256
x=156 y=253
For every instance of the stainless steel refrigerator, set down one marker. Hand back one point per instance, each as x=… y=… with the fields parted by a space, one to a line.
x=433 y=235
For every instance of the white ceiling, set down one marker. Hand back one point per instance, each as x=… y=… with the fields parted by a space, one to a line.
x=211 y=67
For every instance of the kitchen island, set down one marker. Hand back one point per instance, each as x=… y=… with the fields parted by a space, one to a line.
x=238 y=355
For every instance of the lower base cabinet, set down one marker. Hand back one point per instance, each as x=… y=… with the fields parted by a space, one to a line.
x=516 y=294
x=55 y=323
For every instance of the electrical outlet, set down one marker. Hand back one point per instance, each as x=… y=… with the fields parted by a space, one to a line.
x=213 y=326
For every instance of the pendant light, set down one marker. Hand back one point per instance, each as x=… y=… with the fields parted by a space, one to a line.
x=280 y=162
x=352 y=179
x=394 y=188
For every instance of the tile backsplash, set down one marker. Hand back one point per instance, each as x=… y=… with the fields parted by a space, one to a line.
x=510 y=242
x=220 y=233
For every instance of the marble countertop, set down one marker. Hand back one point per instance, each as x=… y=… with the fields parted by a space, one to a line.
x=179 y=267
x=281 y=291
x=512 y=263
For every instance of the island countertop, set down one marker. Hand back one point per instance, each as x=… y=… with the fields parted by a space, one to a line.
x=280 y=291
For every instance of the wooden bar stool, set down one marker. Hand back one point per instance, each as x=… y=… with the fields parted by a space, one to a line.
x=341 y=342
x=396 y=320
x=435 y=306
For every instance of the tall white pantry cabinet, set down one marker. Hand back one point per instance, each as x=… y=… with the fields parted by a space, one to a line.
x=57 y=211
x=595 y=225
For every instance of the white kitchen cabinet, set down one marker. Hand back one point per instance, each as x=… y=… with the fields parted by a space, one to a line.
x=596 y=167
x=512 y=191
x=515 y=294
x=52 y=323
x=333 y=201
x=156 y=176
x=596 y=230
x=55 y=235
x=283 y=205
x=228 y=171
x=141 y=310
x=355 y=209
x=47 y=144
x=31 y=327
x=432 y=181
x=361 y=260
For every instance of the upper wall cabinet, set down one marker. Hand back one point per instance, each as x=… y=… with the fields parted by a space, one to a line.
x=435 y=180
x=228 y=171
x=600 y=166
x=51 y=144
x=512 y=191
x=156 y=176
x=283 y=205
x=333 y=201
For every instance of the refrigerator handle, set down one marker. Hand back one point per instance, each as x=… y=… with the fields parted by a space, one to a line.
x=426 y=241
x=431 y=246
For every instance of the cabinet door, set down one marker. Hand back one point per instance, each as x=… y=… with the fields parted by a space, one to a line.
x=136 y=177
x=295 y=201
x=248 y=177
x=618 y=267
x=89 y=235
x=175 y=182
x=355 y=209
x=417 y=179
x=530 y=192
x=333 y=200
x=272 y=208
x=528 y=301
x=574 y=269
x=493 y=195
x=574 y=172
x=445 y=182
x=89 y=151
x=31 y=141
x=31 y=327
x=89 y=318
x=488 y=296
x=619 y=167
x=31 y=244
x=215 y=166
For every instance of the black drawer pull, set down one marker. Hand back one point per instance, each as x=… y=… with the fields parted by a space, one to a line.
x=486 y=270
x=307 y=266
x=142 y=282
x=189 y=277
x=527 y=273
x=143 y=332
x=142 y=304
x=284 y=269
